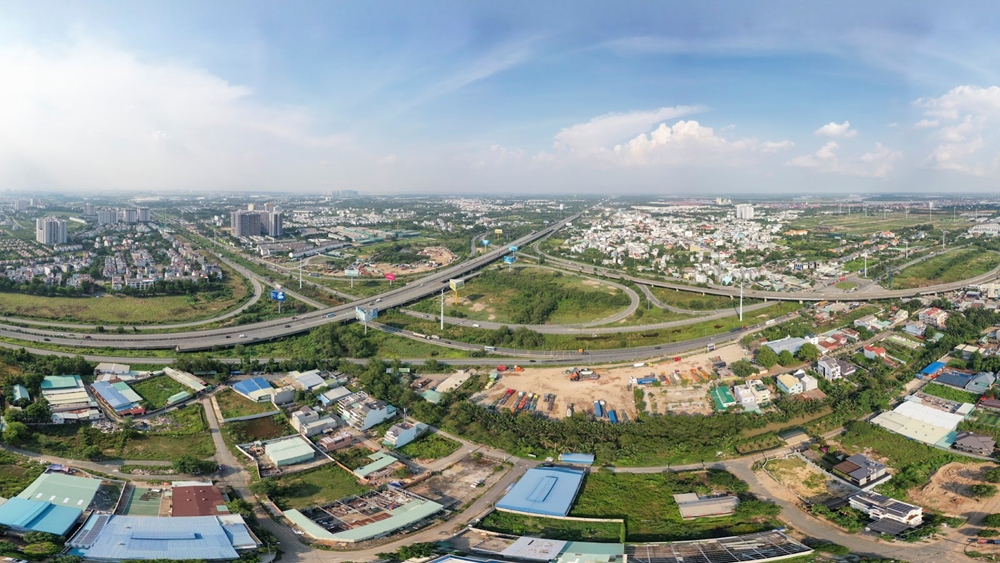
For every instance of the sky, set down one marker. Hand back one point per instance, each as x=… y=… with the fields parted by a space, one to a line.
x=581 y=97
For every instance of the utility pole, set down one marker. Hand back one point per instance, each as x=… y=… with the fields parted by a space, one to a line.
x=907 y=251
x=866 y=265
x=741 y=296
x=300 y=278
x=442 y=308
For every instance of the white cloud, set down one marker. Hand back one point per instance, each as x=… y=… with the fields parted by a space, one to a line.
x=926 y=124
x=606 y=130
x=94 y=116
x=770 y=147
x=875 y=164
x=837 y=130
x=964 y=142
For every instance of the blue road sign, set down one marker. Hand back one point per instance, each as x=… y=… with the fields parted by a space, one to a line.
x=277 y=295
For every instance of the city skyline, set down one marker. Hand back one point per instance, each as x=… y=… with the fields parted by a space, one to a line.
x=447 y=98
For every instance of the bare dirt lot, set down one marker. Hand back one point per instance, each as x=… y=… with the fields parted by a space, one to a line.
x=806 y=481
x=461 y=482
x=689 y=394
x=434 y=257
x=949 y=490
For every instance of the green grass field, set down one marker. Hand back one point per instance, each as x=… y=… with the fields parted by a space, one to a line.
x=551 y=528
x=605 y=341
x=696 y=301
x=187 y=435
x=495 y=298
x=949 y=393
x=157 y=389
x=120 y=310
x=16 y=473
x=845 y=285
x=430 y=446
x=645 y=502
x=859 y=223
x=315 y=487
x=950 y=267
x=234 y=405
x=266 y=428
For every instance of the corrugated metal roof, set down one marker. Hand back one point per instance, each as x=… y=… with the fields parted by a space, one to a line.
x=38 y=516
x=289 y=450
x=248 y=386
x=401 y=517
x=144 y=537
x=20 y=392
x=380 y=460
x=112 y=396
x=64 y=490
x=546 y=491
x=61 y=382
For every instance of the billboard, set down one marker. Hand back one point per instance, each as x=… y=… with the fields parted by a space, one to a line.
x=509 y=259
x=277 y=295
x=498 y=231
x=352 y=273
x=486 y=242
x=513 y=248
x=365 y=316
x=390 y=277
x=456 y=284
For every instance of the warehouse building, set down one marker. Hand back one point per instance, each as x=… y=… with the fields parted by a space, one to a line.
x=63 y=490
x=258 y=389
x=289 y=451
x=924 y=423
x=545 y=491
x=117 y=538
x=197 y=499
x=118 y=397
x=186 y=379
x=23 y=516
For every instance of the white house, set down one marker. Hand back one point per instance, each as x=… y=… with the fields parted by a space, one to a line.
x=367 y=413
x=829 y=368
x=400 y=434
x=308 y=422
x=744 y=396
x=879 y=507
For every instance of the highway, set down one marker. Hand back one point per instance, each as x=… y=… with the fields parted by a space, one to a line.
x=190 y=341
x=730 y=291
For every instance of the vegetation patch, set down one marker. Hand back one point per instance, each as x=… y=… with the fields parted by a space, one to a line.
x=156 y=390
x=946 y=268
x=264 y=428
x=315 y=487
x=949 y=393
x=430 y=446
x=234 y=405
x=185 y=434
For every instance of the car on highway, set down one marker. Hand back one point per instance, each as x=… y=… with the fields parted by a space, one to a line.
x=228 y=336
x=288 y=326
x=46 y=339
x=475 y=325
x=88 y=337
x=243 y=336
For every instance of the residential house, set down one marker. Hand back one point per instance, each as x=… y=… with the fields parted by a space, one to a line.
x=981 y=383
x=789 y=384
x=933 y=316
x=401 y=434
x=829 y=368
x=744 y=396
x=915 y=328
x=881 y=507
x=761 y=394
x=309 y=422
x=860 y=470
x=367 y=413
x=977 y=444
x=874 y=352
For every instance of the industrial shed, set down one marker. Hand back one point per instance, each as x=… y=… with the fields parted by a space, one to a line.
x=64 y=490
x=289 y=451
x=547 y=491
x=178 y=538
x=22 y=515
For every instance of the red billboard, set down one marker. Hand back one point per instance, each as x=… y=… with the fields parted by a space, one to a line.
x=390 y=277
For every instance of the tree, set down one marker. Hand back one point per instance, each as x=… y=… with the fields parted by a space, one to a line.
x=992 y=475
x=193 y=466
x=808 y=352
x=766 y=357
x=992 y=520
x=983 y=491
x=42 y=548
x=264 y=487
x=16 y=433
x=93 y=453
x=785 y=358
x=743 y=368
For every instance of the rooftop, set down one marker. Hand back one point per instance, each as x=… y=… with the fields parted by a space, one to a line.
x=248 y=386
x=64 y=490
x=405 y=515
x=177 y=538
x=198 y=500
x=548 y=491
x=38 y=516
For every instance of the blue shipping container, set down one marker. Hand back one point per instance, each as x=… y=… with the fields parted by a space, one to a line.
x=597 y=409
x=613 y=417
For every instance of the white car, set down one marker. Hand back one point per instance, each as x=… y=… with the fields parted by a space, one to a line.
x=475 y=325
x=243 y=336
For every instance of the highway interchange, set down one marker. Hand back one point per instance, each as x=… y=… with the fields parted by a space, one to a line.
x=62 y=334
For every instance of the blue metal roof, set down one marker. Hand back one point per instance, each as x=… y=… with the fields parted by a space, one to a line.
x=933 y=368
x=579 y=459
x=38 y=516
x=547 y=491
x=954 y=379
x=248 y=386
x=178 y=538
x=112 y=396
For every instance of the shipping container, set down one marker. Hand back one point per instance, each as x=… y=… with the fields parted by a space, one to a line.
x=597 y=409
x=645 y=380
x=612 y=417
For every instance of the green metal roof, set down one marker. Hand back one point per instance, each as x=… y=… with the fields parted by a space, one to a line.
x=60 y=382
x=288 y=451
x=401 y=517
x=380 y=460
x=591 y=552
x=63 y=490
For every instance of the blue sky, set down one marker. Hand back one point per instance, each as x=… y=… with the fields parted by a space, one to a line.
x=511 y=97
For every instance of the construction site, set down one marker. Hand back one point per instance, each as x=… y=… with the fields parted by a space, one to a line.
x=462 y=482
x=677 y=385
